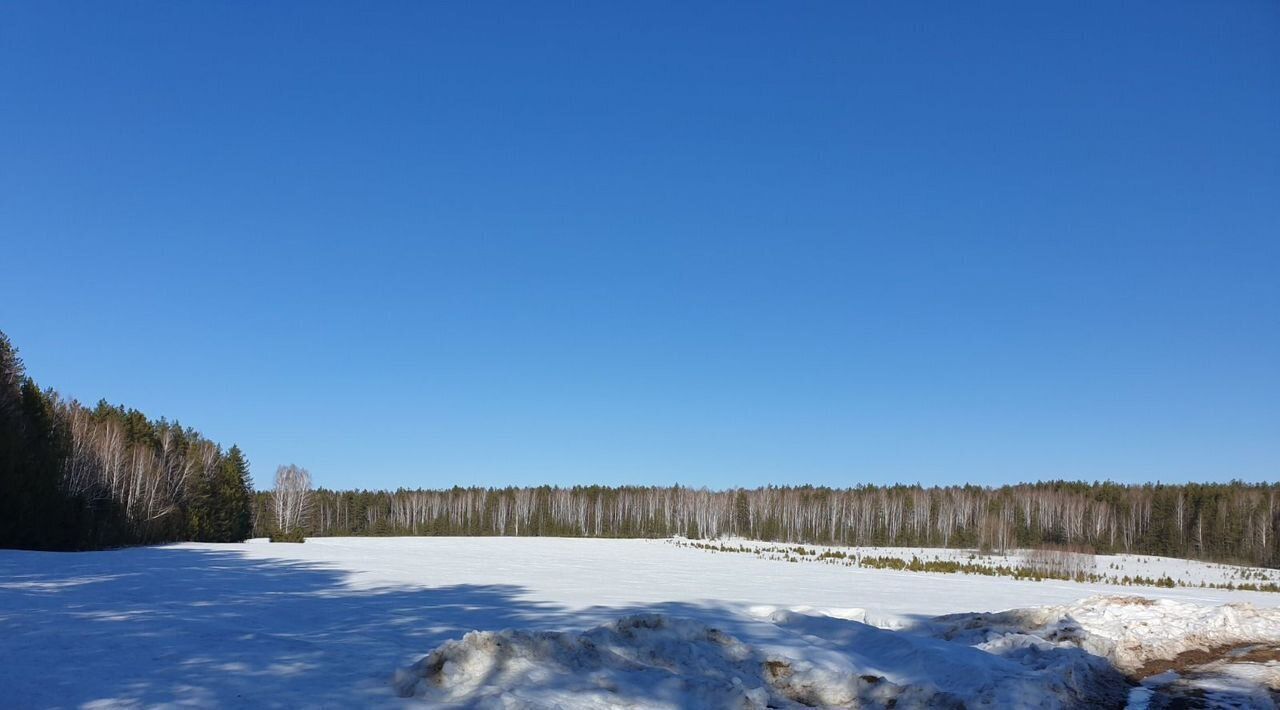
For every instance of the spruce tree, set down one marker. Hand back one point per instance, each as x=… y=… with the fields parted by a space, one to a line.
x=236 y=496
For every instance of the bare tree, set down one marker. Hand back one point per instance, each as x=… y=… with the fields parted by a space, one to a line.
x=291 y=498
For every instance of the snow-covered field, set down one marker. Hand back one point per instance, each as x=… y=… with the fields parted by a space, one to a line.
x=1133 y=570
x=341 y=622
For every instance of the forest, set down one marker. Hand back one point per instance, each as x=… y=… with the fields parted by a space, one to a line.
x=74 y=477
x=77 y=478
x=1228 y=522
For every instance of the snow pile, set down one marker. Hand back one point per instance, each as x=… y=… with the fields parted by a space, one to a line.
x=646 y=660
x=1072 y=655
x=656 y=661
x=1034 y=677
x=1130 y=632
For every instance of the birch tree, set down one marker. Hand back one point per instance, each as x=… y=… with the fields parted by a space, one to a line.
x=291 y=498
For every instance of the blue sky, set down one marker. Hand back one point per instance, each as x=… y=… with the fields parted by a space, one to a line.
x=720 y=244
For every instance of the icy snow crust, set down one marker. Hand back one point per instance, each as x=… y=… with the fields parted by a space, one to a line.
x=324 y=624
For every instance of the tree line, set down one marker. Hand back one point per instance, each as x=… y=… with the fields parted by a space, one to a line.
x=74 y=477
x=1228 y=522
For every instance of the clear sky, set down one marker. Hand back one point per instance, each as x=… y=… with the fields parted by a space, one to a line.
x=721 y=244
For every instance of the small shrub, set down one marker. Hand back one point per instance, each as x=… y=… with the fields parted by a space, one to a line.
x=294 y=536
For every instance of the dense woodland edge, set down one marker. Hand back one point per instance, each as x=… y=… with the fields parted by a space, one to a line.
x=80 y=478
x=1226 y=522
x=75 y=478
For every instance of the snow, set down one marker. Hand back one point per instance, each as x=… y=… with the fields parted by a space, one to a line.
x=1245 y=677
x=1239 y=684
x=1188 y=573
x=328 y=622
x=656 y=661
x=1130 y=632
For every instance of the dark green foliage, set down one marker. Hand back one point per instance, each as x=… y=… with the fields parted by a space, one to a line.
x=221 y=509
x=291 y=536
x=74 y=478
x=237 y=496
x=33 y=511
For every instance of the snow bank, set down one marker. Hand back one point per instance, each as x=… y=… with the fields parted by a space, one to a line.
x=1071 y=655
x=657 y=661
x=647 y=660
x=1030 y=676
x=1130 y=632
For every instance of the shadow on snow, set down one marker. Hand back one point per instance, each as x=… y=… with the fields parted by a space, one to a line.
x=214 y=627
x=149 y=626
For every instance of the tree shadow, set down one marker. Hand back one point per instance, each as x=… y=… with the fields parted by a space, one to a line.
x=182 y=626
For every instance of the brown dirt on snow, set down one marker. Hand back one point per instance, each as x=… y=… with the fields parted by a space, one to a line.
x=1188 y=660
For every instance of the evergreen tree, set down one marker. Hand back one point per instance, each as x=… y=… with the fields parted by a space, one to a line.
x=12 y=444
x=43 y=507
x=235 y=494
x=78 y=478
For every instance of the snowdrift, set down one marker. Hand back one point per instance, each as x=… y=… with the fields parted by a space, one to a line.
x=1062 y=656
x=656 y=661
x=1130 y=632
